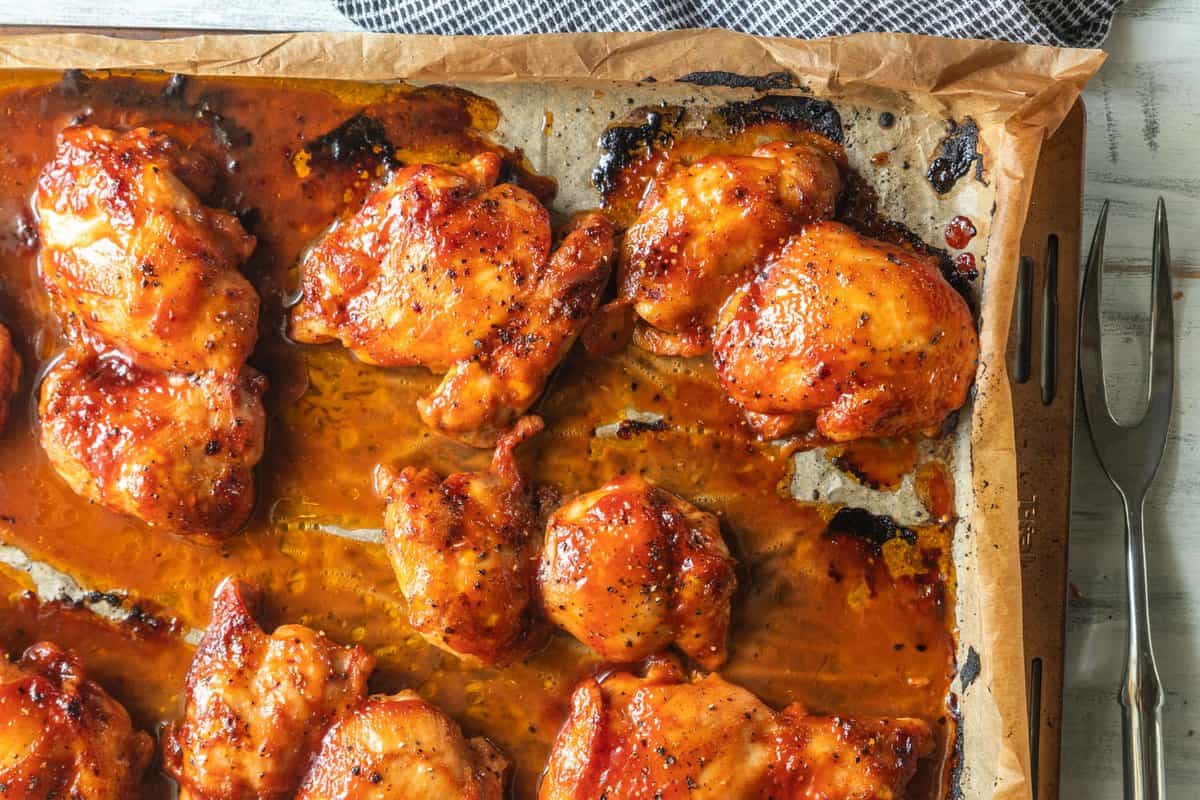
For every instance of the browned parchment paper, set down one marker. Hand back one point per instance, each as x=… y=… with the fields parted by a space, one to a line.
x=1018 y=95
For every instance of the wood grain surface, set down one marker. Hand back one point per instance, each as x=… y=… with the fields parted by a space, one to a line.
x=1143 y=141
x=1143 y=132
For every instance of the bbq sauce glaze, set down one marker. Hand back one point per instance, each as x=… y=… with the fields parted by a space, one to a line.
x=841 y=623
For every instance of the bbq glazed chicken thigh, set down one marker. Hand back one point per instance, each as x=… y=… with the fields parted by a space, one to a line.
x=630 y=568
x=853 y=758
x=463 y=553
x=133 y=259
x=400 y=747
x=705 y=227
x=861 y=338
x=661 y=737
x=257 y=705
x=176 y=451
x=61 y=735
x=444 y=268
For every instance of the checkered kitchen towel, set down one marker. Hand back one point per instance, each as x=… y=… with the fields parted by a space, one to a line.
x=1075 y=23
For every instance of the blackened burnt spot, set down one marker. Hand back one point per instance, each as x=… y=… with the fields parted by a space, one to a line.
x=850 y=468
x=111 y=598
x=957 y=151
x=77 y=85
x=143 y=621
x=358 y=140
x=970 y=669
x=139 y=617
x=632 y=427
x=625 y=144
x=960 y=281
x=810 y=114
x=759 y=83
x=873 y=530
x=956 y=756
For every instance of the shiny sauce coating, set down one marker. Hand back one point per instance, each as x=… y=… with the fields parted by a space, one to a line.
x=840 y=623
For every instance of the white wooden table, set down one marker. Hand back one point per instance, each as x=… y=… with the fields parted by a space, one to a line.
x=1143 y=141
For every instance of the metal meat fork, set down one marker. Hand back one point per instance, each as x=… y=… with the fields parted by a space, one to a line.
x=1130 y=455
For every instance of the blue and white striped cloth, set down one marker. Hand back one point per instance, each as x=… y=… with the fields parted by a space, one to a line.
x=1073 y=23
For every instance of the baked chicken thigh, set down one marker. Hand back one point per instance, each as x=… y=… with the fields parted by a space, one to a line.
x=463 y=552
x=444 y=268
x=704 y=227
x=661 y=737
x=257 y=705
x=402 y=748
x=61 y=735
x=859 y=337
x=152 y=412
x=133 y=259
x=630 y=568
x=176 y=451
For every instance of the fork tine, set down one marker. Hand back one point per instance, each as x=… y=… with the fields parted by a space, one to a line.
x=1162 y=323
x=1091 y=362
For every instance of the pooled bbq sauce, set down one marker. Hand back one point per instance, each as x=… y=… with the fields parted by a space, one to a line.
x=959 y=232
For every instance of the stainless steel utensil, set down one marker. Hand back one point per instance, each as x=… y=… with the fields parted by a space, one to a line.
x=1130 y=455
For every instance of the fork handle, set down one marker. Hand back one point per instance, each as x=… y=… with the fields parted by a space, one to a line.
x=1141 y=691
x=1144 y=770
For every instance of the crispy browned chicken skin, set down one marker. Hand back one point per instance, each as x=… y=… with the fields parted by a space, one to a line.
x=10 y=373
x=402 y=748
x=630 y=568
x=463 y=553
x=62 y=736
x=864 y=338
x=705 y=227
x=443 y=268
x=134 y=260
x=258 y=705
x=173 y=450
x=661 y=737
